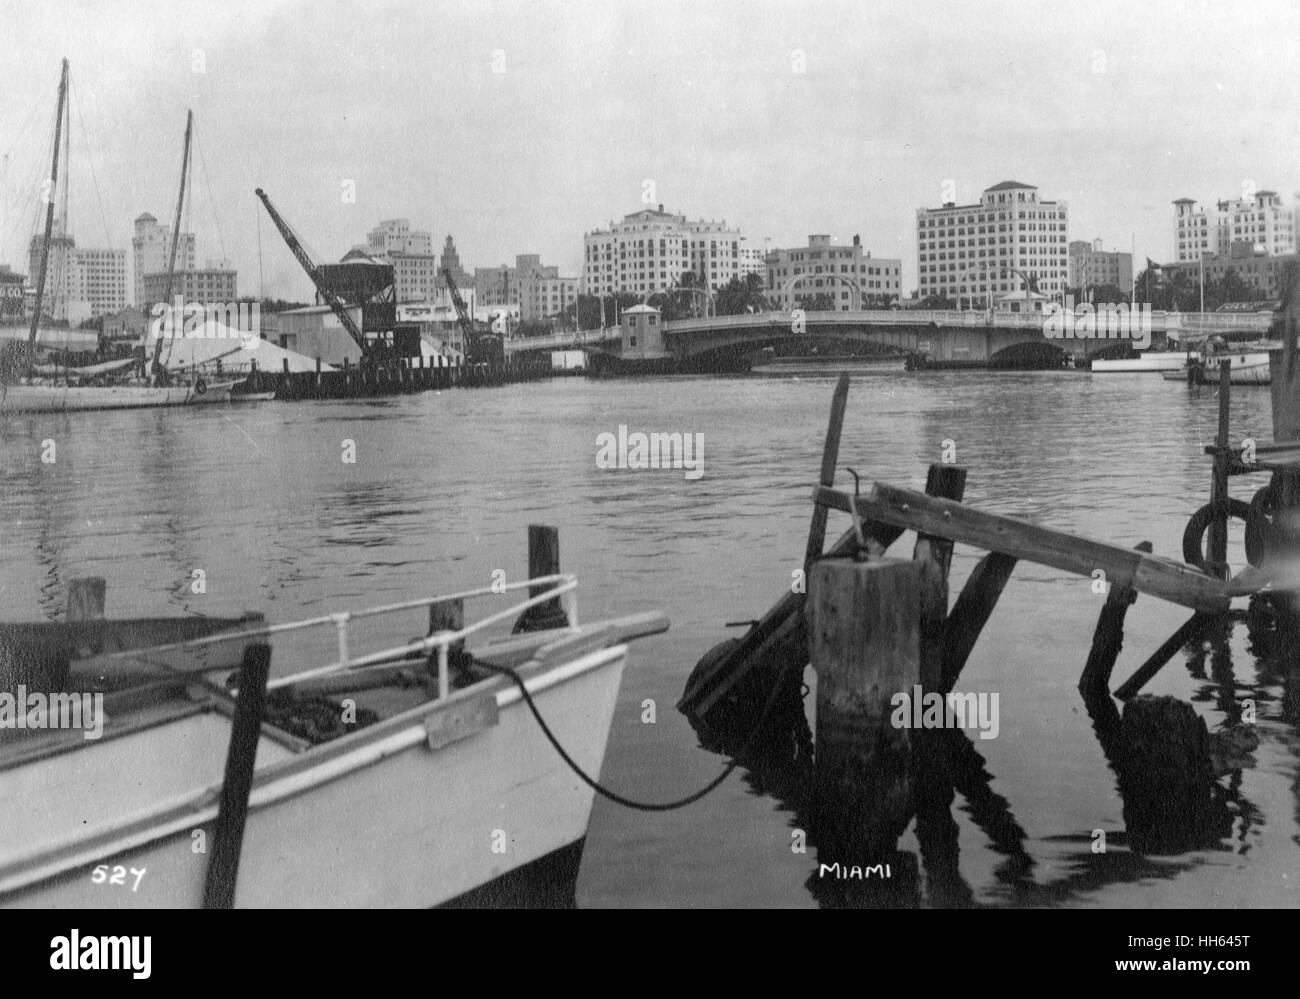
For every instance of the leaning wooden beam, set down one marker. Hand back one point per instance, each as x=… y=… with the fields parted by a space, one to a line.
x=971 y=612
x=1108 y=637
x=1193 y=626
x=934 y=556
x=1159 y=577
x=830 y=460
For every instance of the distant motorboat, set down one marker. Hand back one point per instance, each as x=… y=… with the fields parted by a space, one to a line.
x=1151 y=361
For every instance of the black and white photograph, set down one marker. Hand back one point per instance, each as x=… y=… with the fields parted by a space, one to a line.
x=582 y=454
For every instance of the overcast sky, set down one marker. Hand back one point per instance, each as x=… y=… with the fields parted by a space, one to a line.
x=518 y=126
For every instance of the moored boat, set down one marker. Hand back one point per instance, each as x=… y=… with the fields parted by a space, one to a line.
x=1144 y=363
x=444 y=782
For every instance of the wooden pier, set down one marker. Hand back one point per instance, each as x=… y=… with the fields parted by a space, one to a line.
x=873 y=627
x=400 y=377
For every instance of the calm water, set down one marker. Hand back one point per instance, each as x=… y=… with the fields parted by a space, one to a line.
x=445 y=484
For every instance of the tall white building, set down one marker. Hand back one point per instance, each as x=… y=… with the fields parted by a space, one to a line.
x=151 y=248
x=824 y=267
x=649 y=250
x=965 y=250
x=416 y=274
x=1262 y=222
x=394 y=236
x=80 y=282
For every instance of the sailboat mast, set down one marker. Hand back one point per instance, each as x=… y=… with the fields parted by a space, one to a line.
x=49 y=210
x=176 y=235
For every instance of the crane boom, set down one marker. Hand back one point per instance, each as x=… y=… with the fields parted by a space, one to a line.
x=309 y=266
x=462 y=315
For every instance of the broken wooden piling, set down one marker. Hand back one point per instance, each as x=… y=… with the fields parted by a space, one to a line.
x=863 y=630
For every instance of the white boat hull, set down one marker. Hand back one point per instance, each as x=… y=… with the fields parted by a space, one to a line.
x=376 y=818
x=1243 y=369
x=1162 y=361
x=45 y=398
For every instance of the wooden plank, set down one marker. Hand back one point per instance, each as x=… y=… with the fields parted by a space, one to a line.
x=1159 y=577
x=971 y=612
x=1192 y=627
x=830 y=460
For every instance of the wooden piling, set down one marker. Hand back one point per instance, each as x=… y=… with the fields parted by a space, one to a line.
x=86 y=599
x=241 y=759
x=1217 y=545
x=1284 y=372
x=1108 y=636
x=863 y=620
x=972 y=610
x=543 y=560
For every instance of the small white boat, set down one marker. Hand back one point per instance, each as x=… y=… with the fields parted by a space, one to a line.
x=452 y=785
x=1244 y=367
x=1151 y=361
x=46 y=395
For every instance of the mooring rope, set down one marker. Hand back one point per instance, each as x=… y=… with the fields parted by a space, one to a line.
x=643 y=806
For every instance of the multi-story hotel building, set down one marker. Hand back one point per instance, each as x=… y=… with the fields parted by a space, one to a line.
x=1091 y=266
x=216 y=283
x=80 y=283
x=649 y=250
x=822 y=267
x=1262 y=221
x=151 y=248
x=974 y=250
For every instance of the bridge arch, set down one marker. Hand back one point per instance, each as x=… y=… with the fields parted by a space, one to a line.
x=855 y=303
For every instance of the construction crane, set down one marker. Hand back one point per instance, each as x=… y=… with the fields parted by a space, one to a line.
x=332 y=300
x=471 y=340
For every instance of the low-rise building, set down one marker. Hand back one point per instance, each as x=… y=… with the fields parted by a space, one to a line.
x=1262 y=272
x=11 y=294
x=1091 y=266
x=208 y=284
x=849 y=274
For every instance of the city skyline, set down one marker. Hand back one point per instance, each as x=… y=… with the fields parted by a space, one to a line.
x=518 y=134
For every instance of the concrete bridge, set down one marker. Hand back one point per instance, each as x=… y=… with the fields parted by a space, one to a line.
x=948 y=336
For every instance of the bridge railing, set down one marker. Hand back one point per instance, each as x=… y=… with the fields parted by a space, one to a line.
x=1186 y=322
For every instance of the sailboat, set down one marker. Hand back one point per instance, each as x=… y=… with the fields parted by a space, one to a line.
x=43 y=388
